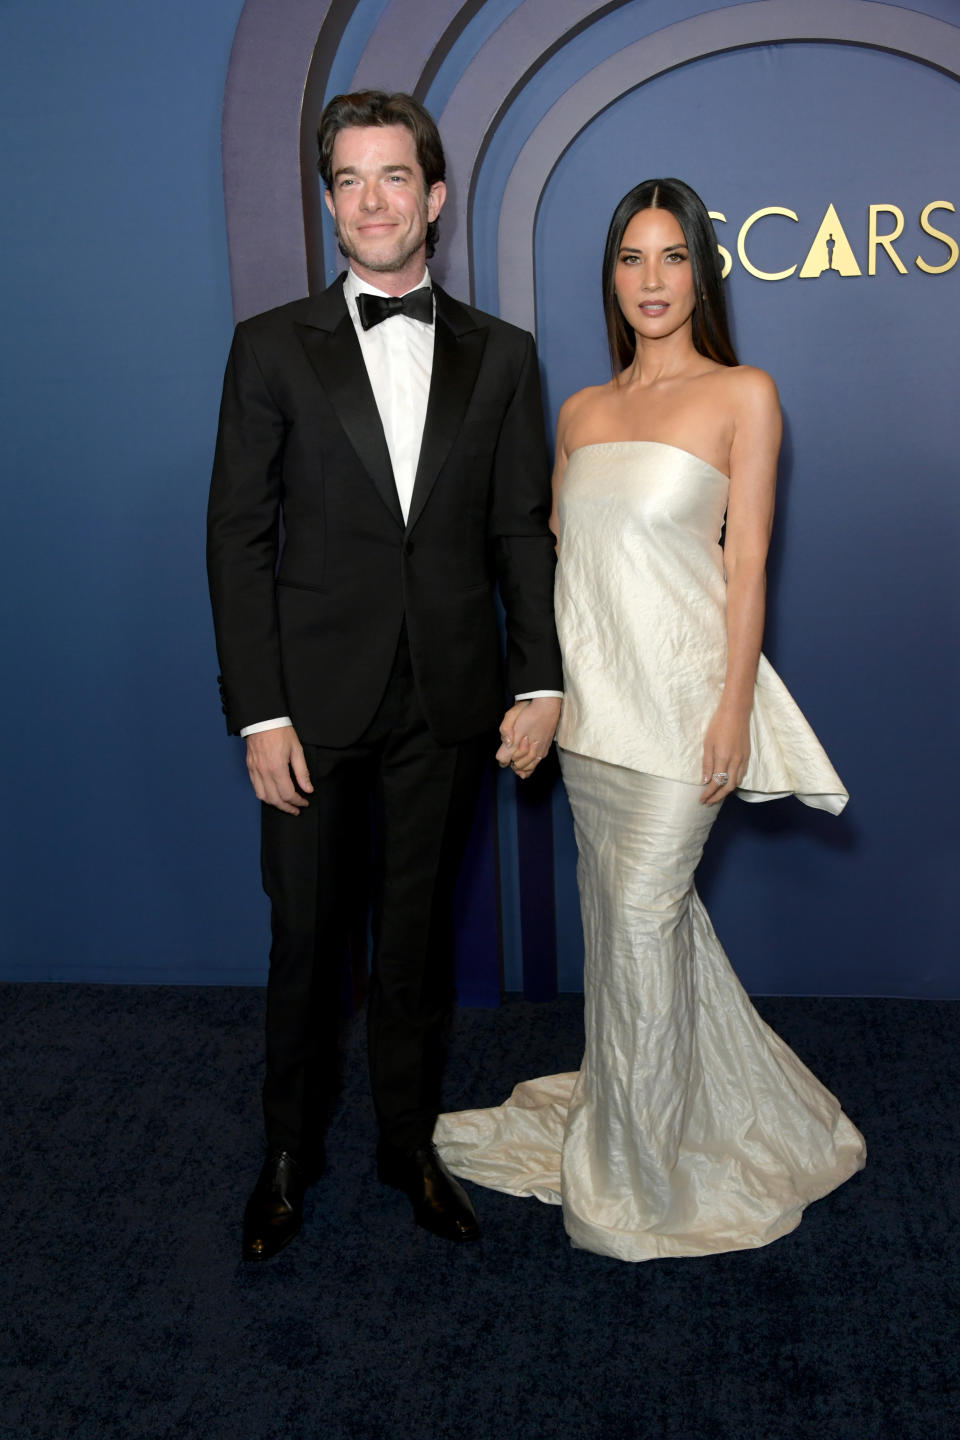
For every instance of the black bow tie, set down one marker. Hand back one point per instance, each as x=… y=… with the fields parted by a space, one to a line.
x=418 y=304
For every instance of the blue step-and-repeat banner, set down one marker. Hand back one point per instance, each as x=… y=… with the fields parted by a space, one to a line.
x=821 y=134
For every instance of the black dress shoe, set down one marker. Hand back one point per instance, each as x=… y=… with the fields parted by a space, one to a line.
x=275 y=1208
x=440 y=1203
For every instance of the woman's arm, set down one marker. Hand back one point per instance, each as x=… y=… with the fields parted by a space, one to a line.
x=561 y=456
x=527 y=729
x=753 y=473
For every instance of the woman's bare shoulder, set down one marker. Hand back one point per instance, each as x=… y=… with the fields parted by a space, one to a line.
x=582 y=402
x=754 y=408
x=579 y=408
x=749 y=388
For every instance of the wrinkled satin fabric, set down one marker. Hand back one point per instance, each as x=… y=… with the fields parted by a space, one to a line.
x=690 y=1128
x=641 y=615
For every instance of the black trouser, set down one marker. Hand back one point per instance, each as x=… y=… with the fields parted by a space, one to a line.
x=423 y=798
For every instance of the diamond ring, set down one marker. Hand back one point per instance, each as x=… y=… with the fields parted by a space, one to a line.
x=720 y=776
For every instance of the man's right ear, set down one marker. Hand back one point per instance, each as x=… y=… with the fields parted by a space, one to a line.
x=330 y=205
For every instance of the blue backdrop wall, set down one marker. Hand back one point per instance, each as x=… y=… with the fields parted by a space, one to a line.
x=130 y=844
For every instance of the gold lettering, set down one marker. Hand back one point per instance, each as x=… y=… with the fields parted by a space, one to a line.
x=948 y=240
x=745 y=229
x=725 y=254
x=874 y=240
x=831 y=250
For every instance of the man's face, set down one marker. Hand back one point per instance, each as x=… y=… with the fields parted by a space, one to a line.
x=380 y=203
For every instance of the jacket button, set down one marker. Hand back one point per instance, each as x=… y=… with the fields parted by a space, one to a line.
x=408 y=547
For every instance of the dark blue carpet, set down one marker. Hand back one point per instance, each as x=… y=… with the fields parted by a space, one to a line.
x=132 y=1138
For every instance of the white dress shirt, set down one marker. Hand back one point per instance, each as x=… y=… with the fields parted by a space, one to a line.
x=398 y=354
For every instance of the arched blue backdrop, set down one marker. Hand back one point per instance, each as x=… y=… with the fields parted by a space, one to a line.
x=131 y=839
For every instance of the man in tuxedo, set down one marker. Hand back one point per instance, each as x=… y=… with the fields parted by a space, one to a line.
x=380 y=470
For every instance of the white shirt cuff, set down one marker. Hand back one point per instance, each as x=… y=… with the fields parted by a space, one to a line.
x=540 y=695
x=265 y=725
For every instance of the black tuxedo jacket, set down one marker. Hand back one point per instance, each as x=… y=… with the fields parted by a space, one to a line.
x=312 y=569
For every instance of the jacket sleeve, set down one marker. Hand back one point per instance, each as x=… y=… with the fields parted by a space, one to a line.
x=243 y=536
x=524 y=545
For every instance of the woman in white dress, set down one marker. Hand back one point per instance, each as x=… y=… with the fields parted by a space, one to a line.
x=690 y=1127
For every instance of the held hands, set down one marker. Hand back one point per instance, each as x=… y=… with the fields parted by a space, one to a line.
x=275 y=760
x=526 y=734
x=726 y=750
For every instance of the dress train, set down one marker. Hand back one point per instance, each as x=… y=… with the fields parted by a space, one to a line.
x=691 y=1127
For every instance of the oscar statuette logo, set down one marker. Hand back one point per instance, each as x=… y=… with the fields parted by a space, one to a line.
x=831 y=251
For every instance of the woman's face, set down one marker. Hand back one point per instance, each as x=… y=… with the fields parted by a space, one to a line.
x=653 y=278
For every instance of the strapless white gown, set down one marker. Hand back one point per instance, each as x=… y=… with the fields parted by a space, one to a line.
x=690 y=1127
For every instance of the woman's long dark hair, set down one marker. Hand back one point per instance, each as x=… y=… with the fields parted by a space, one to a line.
x=711 y=333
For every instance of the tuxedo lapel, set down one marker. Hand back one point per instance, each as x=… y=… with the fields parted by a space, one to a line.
x=331 y=344
x=457 y=351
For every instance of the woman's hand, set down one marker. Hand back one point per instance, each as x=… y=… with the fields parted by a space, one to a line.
x=726 y=751
x=526 y=734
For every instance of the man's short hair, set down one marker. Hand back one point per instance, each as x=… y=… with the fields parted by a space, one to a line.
x=376 y=107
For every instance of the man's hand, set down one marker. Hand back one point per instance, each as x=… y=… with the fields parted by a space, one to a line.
x=275 y=760
x=526 y=734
